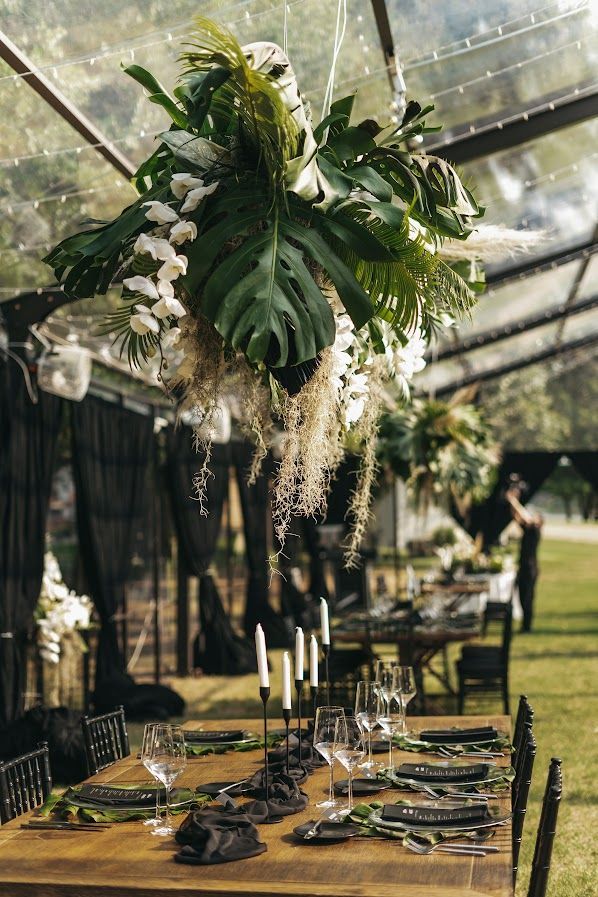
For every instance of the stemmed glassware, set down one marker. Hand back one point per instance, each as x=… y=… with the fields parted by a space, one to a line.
x=384 y=678
x=390 y=717
x=348 y=748
x=406 y=688
x=146 y=753
x=366 y=707
x=167 y=760
x=323 y=741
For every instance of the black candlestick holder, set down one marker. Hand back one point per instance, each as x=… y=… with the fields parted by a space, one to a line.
x=299 y=690
x=326 y=652
x=286 y=715
x=314 y=699
x=270 y=820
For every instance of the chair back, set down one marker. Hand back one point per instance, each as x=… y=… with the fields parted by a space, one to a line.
x=520 y=792
x=106 y=739
x=507 y=632
x=546 y=831
x=25 y=783
x=525 y=715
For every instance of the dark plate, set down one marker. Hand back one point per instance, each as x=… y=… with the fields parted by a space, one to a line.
x=214 y=788
x=328 y=831
x=361 y=786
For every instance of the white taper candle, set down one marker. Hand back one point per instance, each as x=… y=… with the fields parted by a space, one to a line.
x=313 y=662
x=299 y=652
x=324 y=624
x=286 y=682
x=262 y=657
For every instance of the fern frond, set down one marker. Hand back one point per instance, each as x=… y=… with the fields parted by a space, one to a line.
x=247 y=95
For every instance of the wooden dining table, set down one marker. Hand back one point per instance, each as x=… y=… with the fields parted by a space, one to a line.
x=126 y=860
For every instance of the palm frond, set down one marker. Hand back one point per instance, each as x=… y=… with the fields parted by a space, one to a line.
x=248 y=95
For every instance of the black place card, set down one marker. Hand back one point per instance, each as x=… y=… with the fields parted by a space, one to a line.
x=433 y=772
x=107 y=794
x=433 y=815
x=457 y=736
x=202 y=737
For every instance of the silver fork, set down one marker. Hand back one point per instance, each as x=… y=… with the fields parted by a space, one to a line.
x=445 y=847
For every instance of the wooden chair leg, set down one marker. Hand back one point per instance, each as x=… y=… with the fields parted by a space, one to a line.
x=505 y=696
x=461 y=698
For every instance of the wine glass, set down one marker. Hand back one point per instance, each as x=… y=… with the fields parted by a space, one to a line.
x=167 y=761
x=348 y=748
x=406 y=689
x=145 y=756
x=384 y=678
x=323 y=741
x=366 y=706
x=390 y=717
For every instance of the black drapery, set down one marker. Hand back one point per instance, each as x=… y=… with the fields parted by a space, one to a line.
x=586 y=464
x=112 y=449
x=28 y=441
x=255 y=502
x=491 y=516
x=219 y=650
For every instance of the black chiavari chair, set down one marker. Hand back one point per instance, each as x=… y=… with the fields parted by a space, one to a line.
x=520 y=790
x=546 y=831
x=485 y=668
x=25 y=783
x=106 y=739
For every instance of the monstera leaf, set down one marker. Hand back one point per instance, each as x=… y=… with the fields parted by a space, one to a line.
x=261 y=295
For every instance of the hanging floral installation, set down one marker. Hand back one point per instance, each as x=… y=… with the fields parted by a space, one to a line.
x=60 y=614
x=295 y=267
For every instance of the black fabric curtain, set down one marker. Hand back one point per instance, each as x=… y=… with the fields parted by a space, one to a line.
x=586 y=464
x=255 y=502
x=491 y=516
x=112 y=449
x=28 y=443
x=218 y=650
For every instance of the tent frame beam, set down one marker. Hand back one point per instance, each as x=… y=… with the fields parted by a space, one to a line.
x=24 y=67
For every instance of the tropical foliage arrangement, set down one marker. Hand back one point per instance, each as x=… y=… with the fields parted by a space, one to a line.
x=443 y=449
x=297 y=269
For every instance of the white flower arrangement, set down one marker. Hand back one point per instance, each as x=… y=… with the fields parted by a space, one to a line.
x=60 y=612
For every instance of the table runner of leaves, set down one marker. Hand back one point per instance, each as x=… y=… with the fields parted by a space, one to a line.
x=201 y=750
x=495 y=785
x=69 y=807
x=502 y=743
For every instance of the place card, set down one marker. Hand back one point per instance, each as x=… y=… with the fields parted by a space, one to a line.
x=431 y=771
x=107 y=794
x=433 y=815
x=459 y=736
x=202 y=737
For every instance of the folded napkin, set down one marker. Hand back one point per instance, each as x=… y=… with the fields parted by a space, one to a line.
x=310 y=758
x=202 y=737
x=211 y=836
x=284 y=798
x=457 y=736
x=436 y=816
x=427 y=772
x=112 y=796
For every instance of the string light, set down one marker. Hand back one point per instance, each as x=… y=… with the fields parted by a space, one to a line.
x=570 y=171
x=15 y=161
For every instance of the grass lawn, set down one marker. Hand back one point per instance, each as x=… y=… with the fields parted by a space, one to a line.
x=557 y=667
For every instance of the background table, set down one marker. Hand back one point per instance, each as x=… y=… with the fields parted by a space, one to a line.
x=127 y=861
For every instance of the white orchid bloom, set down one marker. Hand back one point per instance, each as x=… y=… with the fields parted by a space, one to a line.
x=143 y=285
x=165 y=289
x=182 y=232
x=160 y=212
x=172 y=267
x=182 y=183
x=171 y=338
x=345 y=335
x=194 y=197
x=144 y=321
x=157 y=247
x=168 y=305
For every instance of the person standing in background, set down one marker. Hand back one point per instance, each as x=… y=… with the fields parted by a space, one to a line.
x=527 y=575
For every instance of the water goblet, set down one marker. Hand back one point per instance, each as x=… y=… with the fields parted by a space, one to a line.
x=167 y=761
x=323 y=741
x=348 y=749
x=145 y=756
x=366 y=706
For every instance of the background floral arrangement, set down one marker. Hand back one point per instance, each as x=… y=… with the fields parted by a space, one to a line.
x=60 y=613
x=299 y=268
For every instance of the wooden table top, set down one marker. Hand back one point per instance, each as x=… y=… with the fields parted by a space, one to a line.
x=418 y=637
x=127 y=861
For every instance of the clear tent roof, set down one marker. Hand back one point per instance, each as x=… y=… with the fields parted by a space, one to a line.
x=481 y=65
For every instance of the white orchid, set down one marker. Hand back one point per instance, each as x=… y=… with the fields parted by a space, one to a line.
x=168 y=305
x=180 y=184
x=409 y=359
x=172 y=267
x=194 y=197
x=160 y=212
x=182 y=232
x=171 y=338
x=165 y=289
x=157 y=247
x=144 y=321
x=142 y=285
x=59 y=612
